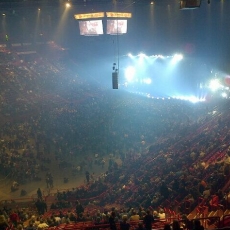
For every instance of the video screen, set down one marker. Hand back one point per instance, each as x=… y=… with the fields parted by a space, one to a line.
x=116 y=27
x=91 y=28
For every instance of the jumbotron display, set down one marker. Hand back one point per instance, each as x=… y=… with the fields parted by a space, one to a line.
x=115 y=27
x=91 y=27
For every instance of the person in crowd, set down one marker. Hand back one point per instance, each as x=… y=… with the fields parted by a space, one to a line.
x=87 y=176
x=30 y=226
x=214 y=202
x=112 y=221
x=148 y=220
x=14 y=218
x=124 y=225
x=207 y=192
x=79 y=208
x=81 y=218
x=155 y=215
x=197 y=225
x=161 y=215
x=3 y=223
x=73 y=217
x=39 y=193
x=167 y=227
x=14 y=186
x=20 y=227
x=140 y=226
x=164 y=190
x=42 y=225
x=186 y=223
x=98 y=217
x=176 y=225
x=134 y=216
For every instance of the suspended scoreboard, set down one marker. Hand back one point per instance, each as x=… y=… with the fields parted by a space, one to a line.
x=91 y=24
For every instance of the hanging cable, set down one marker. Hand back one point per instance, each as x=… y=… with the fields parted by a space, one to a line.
x=116 y=64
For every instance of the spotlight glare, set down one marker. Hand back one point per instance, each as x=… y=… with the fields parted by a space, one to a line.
x=130 y=55
x=178 y=57
x=67 y=5
x=141 y=55
x=214 y=84
x=129 y=73
x=224 y=94
x=147 y=81
x=193 y=99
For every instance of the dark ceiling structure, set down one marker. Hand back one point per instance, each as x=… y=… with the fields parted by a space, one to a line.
x=36 y=3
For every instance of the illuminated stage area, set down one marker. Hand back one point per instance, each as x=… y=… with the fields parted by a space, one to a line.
x=167 y=77
x=160 y=77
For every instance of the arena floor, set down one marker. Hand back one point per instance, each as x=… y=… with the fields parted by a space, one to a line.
x=58 y=175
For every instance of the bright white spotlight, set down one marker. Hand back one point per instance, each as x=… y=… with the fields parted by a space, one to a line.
x=67 y=5
x=178 y=57
x=224 y=94
x=214 y=84
x=193 y=99
x=160 y=56
x=147 y=81
x=141 y=55
x=129 y=73
x=130 y=55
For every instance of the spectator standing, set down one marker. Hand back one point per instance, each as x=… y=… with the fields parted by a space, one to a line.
x=79 y=208
x=14 y=218
x=112 y=222
x=39 y=193
x=197 y=225
x=148 y=220
x=87 y=176
x=176 y=225
x=123 y=224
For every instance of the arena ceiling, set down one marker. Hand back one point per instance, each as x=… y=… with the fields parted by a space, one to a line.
x=18 y=3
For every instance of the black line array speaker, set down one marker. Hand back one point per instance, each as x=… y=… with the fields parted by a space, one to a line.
x=115 y=80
